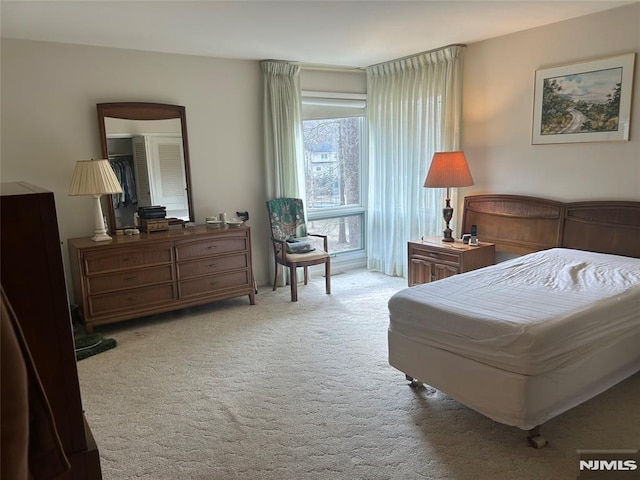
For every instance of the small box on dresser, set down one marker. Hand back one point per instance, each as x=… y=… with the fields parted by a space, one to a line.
x=432 y=259
x=154 y=224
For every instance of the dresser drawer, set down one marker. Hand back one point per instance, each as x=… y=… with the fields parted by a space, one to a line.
x=129 y=279
x=205 y=248
x=212 y=265
x=109 y=261
x=131 y=299
x=213 y=283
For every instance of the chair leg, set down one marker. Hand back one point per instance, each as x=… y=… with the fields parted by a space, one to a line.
x=306 y=275
x=327 y=277
x=275 y=278
x=294 y=284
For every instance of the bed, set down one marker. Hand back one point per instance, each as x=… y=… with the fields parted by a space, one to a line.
x=553 y=325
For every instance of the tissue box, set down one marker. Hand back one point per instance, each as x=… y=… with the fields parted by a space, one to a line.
x=299 y=245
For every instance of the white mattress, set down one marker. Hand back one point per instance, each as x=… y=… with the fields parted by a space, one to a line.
x=528 y=315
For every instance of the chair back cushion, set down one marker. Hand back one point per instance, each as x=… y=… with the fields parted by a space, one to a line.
x=287 y=218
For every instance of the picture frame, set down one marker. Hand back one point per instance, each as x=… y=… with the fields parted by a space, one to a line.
x=584 y=102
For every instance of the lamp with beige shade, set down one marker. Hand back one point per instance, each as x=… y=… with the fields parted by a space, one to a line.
x=95 y=178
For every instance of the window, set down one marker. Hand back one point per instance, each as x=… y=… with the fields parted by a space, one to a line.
x=334 y=152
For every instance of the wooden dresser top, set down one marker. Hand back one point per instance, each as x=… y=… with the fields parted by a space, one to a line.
x=168 y=235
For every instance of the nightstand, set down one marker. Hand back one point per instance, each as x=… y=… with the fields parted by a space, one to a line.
x=432 y=259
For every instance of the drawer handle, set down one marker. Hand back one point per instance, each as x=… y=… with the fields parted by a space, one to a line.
x=211 y=247
x=131 y=299
x=213 y=282
x=129 y=279
x=214 y=264
x=434 y=255
x=130 y=259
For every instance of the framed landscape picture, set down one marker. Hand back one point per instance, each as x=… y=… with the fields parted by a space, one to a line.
x=584 y=102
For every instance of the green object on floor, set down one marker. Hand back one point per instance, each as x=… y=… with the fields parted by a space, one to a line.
x=89 y=345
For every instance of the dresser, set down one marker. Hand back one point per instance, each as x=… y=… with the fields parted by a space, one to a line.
x=138 y=275
x=432 y=259
x=33 y=280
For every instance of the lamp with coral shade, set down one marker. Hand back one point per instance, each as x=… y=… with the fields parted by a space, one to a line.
x=447 y=170
x=95 y=178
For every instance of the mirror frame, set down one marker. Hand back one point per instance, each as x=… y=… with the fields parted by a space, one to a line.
x=145 y=111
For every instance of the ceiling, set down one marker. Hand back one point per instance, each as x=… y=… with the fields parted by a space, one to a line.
x=341 y=33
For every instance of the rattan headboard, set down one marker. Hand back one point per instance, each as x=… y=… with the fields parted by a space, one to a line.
x=520 y=224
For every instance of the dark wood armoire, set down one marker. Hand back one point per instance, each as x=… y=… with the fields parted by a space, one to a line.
x=32 y=277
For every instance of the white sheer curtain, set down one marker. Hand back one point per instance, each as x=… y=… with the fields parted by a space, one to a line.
x=283 y=130
x=414 y=109
x=284 y=152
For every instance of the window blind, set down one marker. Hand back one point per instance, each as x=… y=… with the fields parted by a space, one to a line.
x=319 y=105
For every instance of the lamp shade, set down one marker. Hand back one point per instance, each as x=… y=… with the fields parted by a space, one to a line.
x=94 y=177
x=448 y=169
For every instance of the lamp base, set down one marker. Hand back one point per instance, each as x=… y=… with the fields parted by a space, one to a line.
x=100 y=234
x=447 y=215
x=448 y=235
x=101 y=237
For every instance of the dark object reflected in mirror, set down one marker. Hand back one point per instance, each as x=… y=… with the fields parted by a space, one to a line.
x=147 y=147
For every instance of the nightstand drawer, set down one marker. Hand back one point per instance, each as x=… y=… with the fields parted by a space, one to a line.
x=439 y=256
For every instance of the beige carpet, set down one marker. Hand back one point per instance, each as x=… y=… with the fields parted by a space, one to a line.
x=303 y=390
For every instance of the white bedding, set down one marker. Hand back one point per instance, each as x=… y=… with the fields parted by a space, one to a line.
x=528 y=315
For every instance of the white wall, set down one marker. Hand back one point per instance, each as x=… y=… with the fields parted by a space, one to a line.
x=49 y=121
x=498 y=109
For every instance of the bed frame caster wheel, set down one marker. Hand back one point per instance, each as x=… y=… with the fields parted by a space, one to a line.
x=535 y=439
x=413 y=383
x=538 y=441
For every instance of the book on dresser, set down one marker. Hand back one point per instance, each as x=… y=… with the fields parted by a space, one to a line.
x=134 y=276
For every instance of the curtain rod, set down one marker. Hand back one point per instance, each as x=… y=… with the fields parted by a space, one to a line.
x=421 y=53
x=319 y=66
x=338 y=68
x=329 y=68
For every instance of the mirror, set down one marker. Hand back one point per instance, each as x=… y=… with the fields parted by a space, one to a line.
x=146 y=144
